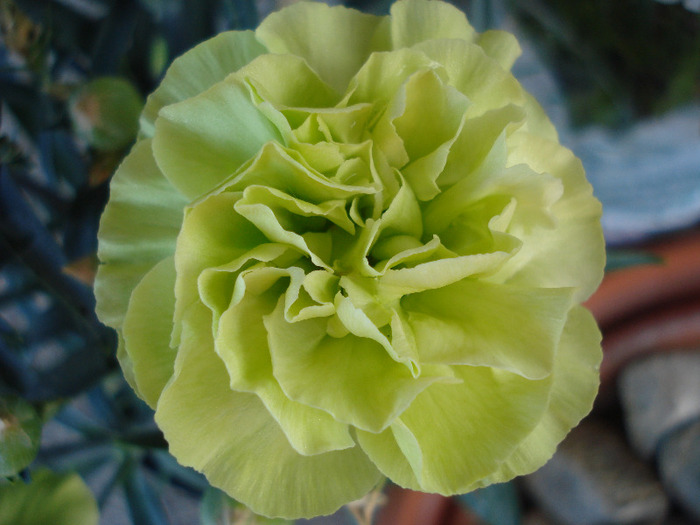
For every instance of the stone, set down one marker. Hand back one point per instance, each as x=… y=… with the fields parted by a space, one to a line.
x=594 y=479
x=679 y=467
x=659 y=394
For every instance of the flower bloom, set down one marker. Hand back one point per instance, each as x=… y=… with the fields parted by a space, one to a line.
x=348 y=246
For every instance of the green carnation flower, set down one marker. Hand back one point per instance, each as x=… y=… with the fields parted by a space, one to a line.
x=348 y=246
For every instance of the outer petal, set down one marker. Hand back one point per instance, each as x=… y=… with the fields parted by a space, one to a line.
x=502 y=46
x=199 y=69
x=138 y=228
x=573 y=253
x=335 y=41
x=480 y=324
x=475 y=74
x=414 y=21
x=201 y=141
x=233 y=440
x=576 y=380
x=452 y=435
x=301 y=87
x=147 y=328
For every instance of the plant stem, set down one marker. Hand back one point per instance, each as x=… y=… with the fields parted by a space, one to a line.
x=363 y=509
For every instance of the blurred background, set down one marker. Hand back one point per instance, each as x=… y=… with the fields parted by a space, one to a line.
x=621 y=81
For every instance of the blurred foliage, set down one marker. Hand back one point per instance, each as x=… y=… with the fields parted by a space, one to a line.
x=48 y=498
x=73 y=77
x=617 y=61
x=20 y=426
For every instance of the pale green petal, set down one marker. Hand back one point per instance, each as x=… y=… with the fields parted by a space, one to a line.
x=438 y=274
x=147 y=328
x=453 y=435
x=138 y=228
x=480 y=324
x=403 y=215
x=537 y=121
x=199 y=69
x=472 y=72
x=332 y=211
x=217 y=285
x=201 y=141
x=231 y=438
x=141 y=221
x=428 y=126
x=113 y=286
x=424 y=113
x=285 y=170
x=241 y=343
x=213 y=234
x=396 y=453
x=572 y=254
x=369 y=388
x=383 y=74
x=407 y=251
x=335 y=41
x=414 y=21
x=287 y=81
x=279 y=227
x=502 y=46
x=576 y=380
x=480 y=138
x=347 y=125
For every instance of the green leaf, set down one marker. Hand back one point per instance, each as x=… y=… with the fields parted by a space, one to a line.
x=49 y=498
x=20 y=431
x=105 y=113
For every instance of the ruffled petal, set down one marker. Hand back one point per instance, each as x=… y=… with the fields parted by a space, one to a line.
x=576 y=380
x=241 y=342
x=370 y=388
x=480 y=324
x=199 y=69
x=200 y=142
x=453 y=435
x=475 y=74
x=573 y=253
x=414 y=21
x=147 y=328
x=501 y=46
x=301 y=87
x=335 y=41
x=138 y=228
x=232 y=438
